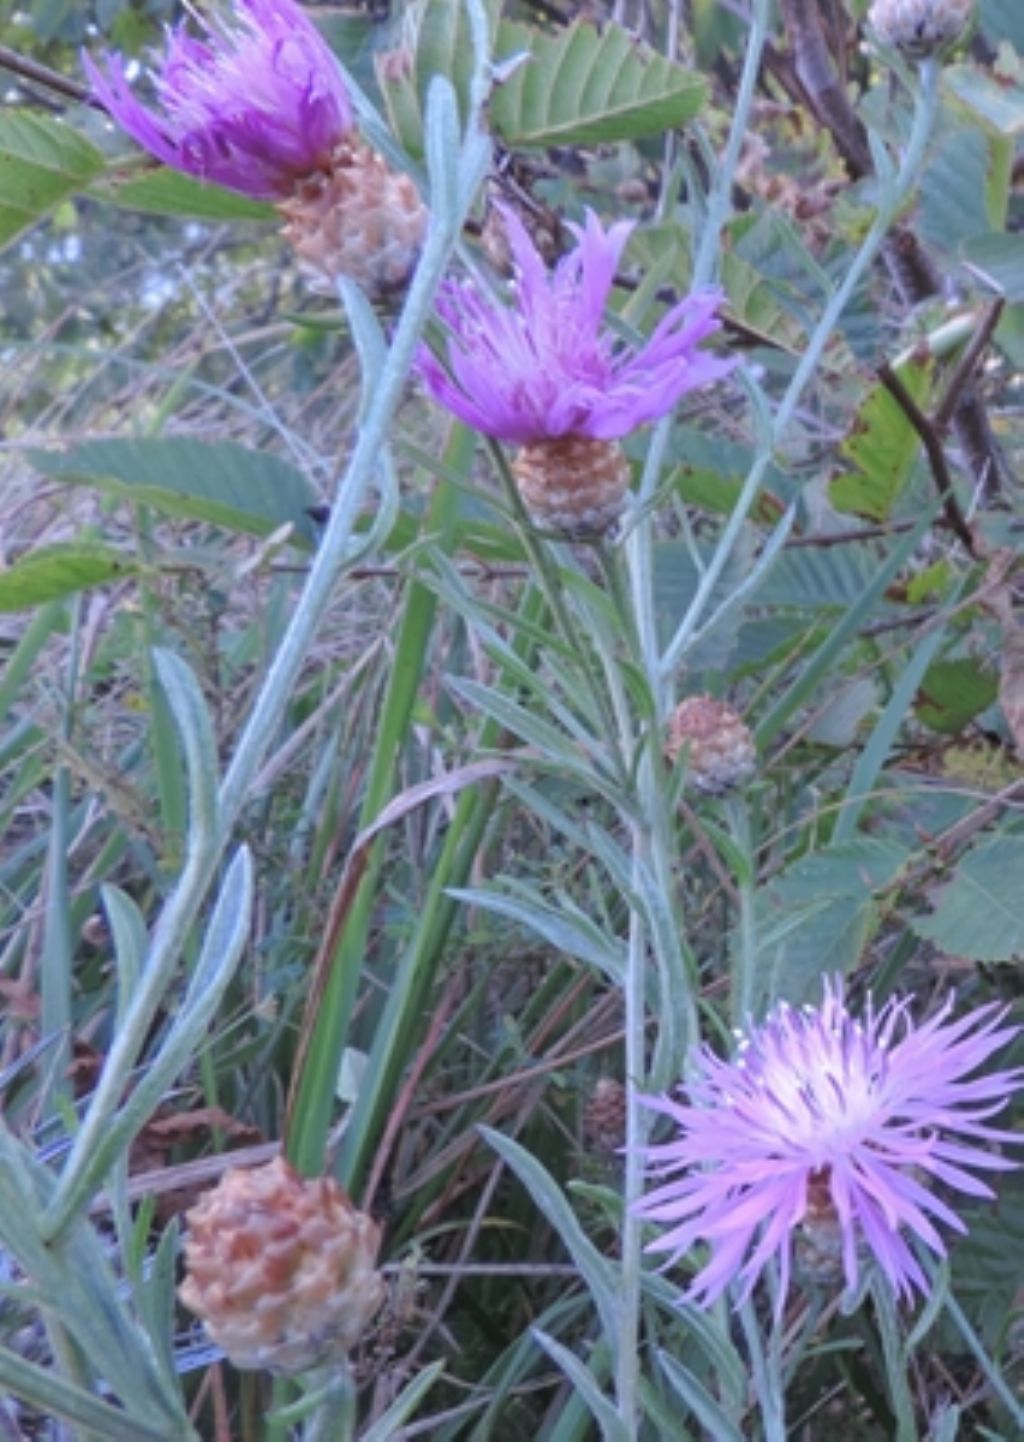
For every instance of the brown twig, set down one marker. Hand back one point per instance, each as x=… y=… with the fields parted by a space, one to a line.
x=810 y=76
x=932 y=442
x=965 y=368
x=823 y=92
x=27 y=69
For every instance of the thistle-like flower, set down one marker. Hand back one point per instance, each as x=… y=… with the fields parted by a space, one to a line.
x=826 y=1121
x=258 y=104
x=545 y=373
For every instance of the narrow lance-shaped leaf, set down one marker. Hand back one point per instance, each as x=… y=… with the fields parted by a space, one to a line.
x=222 y=483
x=51 y=572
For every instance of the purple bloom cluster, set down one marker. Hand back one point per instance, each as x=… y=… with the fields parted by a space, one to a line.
x=546 y=366
x=257 y=104
x=817 y=1104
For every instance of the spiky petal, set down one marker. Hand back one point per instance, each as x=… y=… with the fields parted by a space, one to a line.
x=817 y=1107
x=256 y=104
x=546 y=366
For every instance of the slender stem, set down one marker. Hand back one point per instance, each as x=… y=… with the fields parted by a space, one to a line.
x=648 y=842
x=744 y=973
x=627 y=1378
x=720 y=200
x=546 y=572
x=209 y=833
x=893 y=196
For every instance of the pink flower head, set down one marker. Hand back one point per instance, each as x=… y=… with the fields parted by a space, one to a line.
x=257 y=104
x=546 y=366
x=817 y=1103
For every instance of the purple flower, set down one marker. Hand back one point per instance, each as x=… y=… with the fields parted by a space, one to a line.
x=257 y=104
x=819 y=1106
x=546 y=366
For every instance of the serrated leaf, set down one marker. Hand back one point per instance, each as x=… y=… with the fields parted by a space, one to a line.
x=712 y=470
x=814 y=918
x=810 y=577
x=578 y=86
x=55 y=571
x=978 y=915
x=169 y=192
x=881 y=447
x=584 y=86
x=41 y=163
x=1001 y=258
x=954 y=187
x=218 y=482
x=675 y=585
x=952 y=693
x=751 y=296
x=997 y=103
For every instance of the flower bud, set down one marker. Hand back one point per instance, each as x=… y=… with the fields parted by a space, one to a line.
x=280 y=1268
x=920 y=27
x=573 y=485
x=356 y=217
x=719 y=746
x=604 y=1116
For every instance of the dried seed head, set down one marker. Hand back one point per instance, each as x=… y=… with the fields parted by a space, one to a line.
x=281 y=1268
x=920 y=27
x=604 y=1116
x=573 y=485
x=720 y=748
x=358 y=218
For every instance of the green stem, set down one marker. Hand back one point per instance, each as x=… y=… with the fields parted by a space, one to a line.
x=892 y=199
x=744 y=973
x=455 y=171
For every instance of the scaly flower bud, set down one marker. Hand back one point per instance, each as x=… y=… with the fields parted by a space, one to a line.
x=281 y=1268
x=920 y=27
x=719 y=746
x=357 y=218
x=604 y=1116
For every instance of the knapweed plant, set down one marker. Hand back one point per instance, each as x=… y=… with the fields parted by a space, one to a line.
x=512 y=722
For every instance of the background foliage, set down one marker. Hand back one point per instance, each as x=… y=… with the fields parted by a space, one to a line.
x=429 y=999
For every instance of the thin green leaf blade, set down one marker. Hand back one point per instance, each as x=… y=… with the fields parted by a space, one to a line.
x=595 y=1270
x=51 y=572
